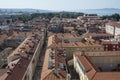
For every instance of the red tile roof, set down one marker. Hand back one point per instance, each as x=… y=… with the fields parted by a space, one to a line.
x=18 y=71
x=94 y=73
x=115 y=24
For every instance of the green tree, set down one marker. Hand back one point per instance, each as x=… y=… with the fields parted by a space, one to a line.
x=116 y=17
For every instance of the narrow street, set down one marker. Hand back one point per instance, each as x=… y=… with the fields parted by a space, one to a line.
x=40 y=63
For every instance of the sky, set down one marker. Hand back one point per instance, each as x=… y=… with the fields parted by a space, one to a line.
x=60 y=5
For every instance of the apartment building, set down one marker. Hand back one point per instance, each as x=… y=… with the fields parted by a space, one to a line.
x=97 y=65
x=23 y=60
x=98 y=36
x=111 y=45
x=54 y=66
x=89 y=17
x=72 y=43
x=113 y=28
x=3 y=56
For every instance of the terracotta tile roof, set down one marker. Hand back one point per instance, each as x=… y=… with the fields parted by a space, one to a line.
x=24 y=47
x=84 y=62
x=3 y=74
x=3 y=37
x=3 y=77
x=50 y=41
x=18 y=67
x=94 y=73
x=67 y=36
x=48 y=74
x=19 y=70
x=115 y=24
x=45 y=71
x=18 y=49
x=53 y=76
x=107 y=76
x=90 y=70
x=79 y=44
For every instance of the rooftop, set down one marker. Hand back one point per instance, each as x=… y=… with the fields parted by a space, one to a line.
x=56 y=38
x=79 y=44
x=115 y=24
x=17 y=67
x=3 y=37
x=96 y=34
x=54 y=58
x=93 y=73
x=67 y=36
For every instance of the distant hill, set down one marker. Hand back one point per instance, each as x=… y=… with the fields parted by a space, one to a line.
x=105 y=11
x=23 y=10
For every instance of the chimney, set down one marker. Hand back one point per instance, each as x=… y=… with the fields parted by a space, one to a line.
x=9 y=72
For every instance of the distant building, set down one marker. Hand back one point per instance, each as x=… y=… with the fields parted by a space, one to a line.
x=3 y=56
x=98 y=36
x=55 y=20
x=56 y=28
x=26 y=28
x=89 y=17
x=113 y=28
x=6 y=27
x=68 y=29
x=13 y=41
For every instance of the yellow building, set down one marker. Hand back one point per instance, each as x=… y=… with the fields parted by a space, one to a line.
x=73 y=43
x=97 y=65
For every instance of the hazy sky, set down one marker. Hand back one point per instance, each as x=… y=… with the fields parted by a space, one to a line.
x=60 y=4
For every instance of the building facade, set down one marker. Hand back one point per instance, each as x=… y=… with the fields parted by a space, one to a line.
x=113 y=28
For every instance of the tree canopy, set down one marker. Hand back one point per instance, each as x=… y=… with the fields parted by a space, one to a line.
x=115 y=17
x=26 y=17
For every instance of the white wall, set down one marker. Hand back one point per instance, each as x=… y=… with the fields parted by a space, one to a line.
x=110 y=29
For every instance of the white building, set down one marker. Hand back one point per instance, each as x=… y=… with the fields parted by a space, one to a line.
x=5 y=27
x=113 y=28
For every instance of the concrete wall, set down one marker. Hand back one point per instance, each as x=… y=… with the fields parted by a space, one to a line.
x=3 y=56
x=107 y=63
x=112 y=30
x=70 y=51
x=79 y=69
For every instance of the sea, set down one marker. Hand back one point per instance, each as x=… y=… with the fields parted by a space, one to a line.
x=101 y=12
